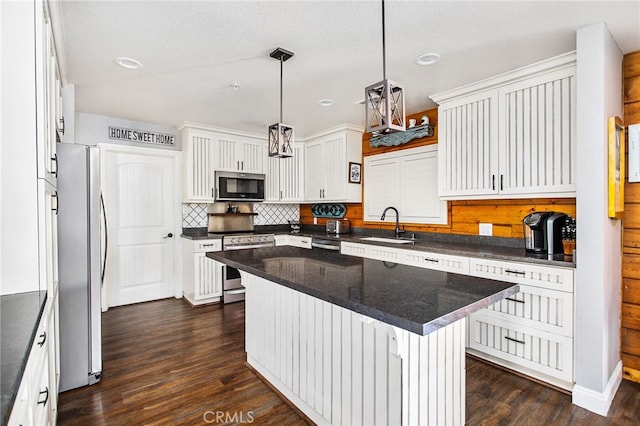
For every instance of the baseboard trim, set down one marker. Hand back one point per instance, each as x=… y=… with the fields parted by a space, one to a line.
x=598 y=402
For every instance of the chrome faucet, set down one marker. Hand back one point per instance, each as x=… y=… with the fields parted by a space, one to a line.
x=398 y=230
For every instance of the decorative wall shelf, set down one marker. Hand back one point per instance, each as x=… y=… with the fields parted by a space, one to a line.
x=329 y=210
x=400 y=138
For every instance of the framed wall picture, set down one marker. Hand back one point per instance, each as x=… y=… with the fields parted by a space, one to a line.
x=615 y=142
x=355 y=172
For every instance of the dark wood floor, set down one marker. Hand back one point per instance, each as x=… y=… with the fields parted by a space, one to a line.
x=166 y=363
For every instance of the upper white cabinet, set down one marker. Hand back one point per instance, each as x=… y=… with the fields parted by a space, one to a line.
x=239 y=154
x=197 y=158
x=284 y=180
x=206 y=149
x=407 y=180
x=511 y=136
x=326 y=166
x=49 y=119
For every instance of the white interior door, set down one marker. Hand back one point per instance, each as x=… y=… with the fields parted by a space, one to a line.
x=138 y=187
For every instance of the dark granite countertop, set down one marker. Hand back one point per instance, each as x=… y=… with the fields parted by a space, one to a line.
x=19 y=319
x=415 y=299
x=509 y=249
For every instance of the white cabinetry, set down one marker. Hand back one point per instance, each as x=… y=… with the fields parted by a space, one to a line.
x=406 y=180
x=421 y=259
x=206 y=149
x=532 y=331
x=202 y=276
x=30 y=91
x=284 y=180
x=197 y=157
x=293 y=240
x=50 y=121
x=511 y=136
x=326 y=165
x=239 y=153
x=36 y=400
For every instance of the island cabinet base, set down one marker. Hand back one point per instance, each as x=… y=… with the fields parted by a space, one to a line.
x=341 y=367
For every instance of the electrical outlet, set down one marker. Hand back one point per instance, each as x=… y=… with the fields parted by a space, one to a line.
x=315 y=220
x=486 y=229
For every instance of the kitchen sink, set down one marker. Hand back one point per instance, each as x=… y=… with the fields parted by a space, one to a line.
x=387 y=240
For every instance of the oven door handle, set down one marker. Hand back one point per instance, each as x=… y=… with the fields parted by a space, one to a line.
x=247 y=246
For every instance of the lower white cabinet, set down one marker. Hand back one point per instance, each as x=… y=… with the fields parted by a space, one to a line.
x=421 y=259
x=530 y=332
x=293 y=240
x=37 y=397
x=202 y=276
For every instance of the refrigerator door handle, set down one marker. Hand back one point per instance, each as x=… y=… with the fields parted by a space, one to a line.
x=106 y=239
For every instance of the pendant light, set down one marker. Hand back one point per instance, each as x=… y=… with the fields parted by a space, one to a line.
x=384 y=100
x=281 y=136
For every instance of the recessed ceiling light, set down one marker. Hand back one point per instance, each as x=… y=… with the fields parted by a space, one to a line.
x=326 y=102
x=427 y=59
x=128 y=63
x=235 y=86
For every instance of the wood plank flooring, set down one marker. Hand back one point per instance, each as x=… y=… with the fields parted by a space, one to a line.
x=167 y=363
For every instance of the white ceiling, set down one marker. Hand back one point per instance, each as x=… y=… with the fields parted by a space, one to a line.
x=193 y=51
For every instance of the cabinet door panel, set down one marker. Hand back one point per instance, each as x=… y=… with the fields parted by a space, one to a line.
x=198 y=166
x=272 y=179
x=468 y=158
x=292 y=176
x=380 y=190
x=226 y=158
x=418 y=186
x=335 y=168
x=536 y=142
x=313 y=173
x=250 y=156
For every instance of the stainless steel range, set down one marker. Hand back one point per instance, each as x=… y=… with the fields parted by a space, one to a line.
x=234 y=221
x=232 y=289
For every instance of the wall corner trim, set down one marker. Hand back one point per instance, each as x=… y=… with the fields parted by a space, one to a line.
x=598 y=402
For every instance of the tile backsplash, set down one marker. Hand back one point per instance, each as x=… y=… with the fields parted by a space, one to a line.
x=194 y=215
x=275 y=214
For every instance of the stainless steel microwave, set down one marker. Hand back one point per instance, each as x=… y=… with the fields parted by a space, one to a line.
x=238 y=186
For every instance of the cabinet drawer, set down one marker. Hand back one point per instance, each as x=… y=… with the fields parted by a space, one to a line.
x=533 y=349
x=302 y=242
x=546 y=310
x=207 y=245
x=554 y=278
x=439 y=262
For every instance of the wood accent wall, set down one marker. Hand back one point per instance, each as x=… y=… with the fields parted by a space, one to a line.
x=630 y=316
x=464 y=216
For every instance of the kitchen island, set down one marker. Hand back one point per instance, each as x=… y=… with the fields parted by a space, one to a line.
x=359 y=341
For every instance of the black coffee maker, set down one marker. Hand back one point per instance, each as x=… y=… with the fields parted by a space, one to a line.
x=535 y=232
x=543 y=232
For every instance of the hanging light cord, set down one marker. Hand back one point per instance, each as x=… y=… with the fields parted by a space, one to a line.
x=281 y=88
x=384 y=54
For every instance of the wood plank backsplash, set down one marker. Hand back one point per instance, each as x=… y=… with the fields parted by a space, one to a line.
x=464 y=216
x=630 y=312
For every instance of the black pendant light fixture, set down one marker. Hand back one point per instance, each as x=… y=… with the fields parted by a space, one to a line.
x=384 y=100
x=281 y=136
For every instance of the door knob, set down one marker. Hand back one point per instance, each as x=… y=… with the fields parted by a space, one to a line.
x=169 y=235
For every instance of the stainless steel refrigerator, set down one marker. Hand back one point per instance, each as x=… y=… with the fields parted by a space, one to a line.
x=80 y=264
